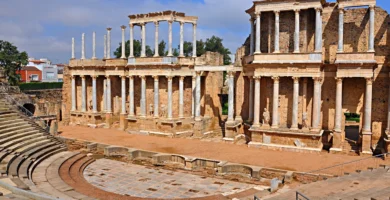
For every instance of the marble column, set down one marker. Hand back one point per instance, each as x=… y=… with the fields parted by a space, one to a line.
x=181 y=97
x=131 y=93
x=252 y=38
x=316 y=104
x=197 y=96
x=388 y=112
x=73 y=55
x=258 y=32
x=275 y=103
x=294 y=121
x=83 y=95
x=170 y=38
x=304 y=104
x=94 y=91
x=372 y=30
x=193 y=95
x=256 y=117
x=156 y=54
x=277 y=23
x=123 y=90
x=194 y=40
x=83 y=46
x=123 y=42
x=108 y=104
x=156 y=97
x=340 y=48
x=143 y=96
x=104 y=95
x=318 y=32
x=108 y=56
x=143 y=40
x=105 y=47
x=181 y=39
x=367 y=107
x=169 y=96
x=94 y=45
x=231 y=97
x=250 y=98
x=131 y=41
x=339 y=105
x=73 y=93
x=296 y=32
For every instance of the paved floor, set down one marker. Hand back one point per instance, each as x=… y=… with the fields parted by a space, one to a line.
x=140 y=181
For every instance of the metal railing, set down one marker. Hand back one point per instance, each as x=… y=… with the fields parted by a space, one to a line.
x=256 y=198
x=300 y=196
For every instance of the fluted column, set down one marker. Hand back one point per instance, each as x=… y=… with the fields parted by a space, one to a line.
x=123 y=42
x=181 y=39
x=277 y=23
x=104 y=95
x=341 y=31
x=294 y=124
x=108 y=43
x=256 y=117
x=123 y=90
x=367 y=107
x=131 y=41
x=194 y=40
x=143 y=96
x=231 y=97
x=73 y=93
x=108 y=104
x=388 y=113
x=94 y=101
x=170 y=38
x=94 y=45
x=372 y=30
x=197 y=96
x=316 y=104
x=156 y=97
x=105 y=47
x=181 y=97
x=131 y=93
x=296 y=33
x=304 y=96
x=169 y=96
x=193 y=95
x=83 y=95
x=156 y=24
x=275 y=104
x=318 y=33
x=73 y=55
x=250 y=98
x=252 y=38
x=83 y=46
x=339 y=105
x=143 y=38
x=258 y=32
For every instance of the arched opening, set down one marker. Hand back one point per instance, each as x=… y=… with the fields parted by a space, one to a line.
x=30 y=107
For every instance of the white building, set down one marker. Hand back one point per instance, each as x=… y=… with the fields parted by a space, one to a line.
x=49 y=71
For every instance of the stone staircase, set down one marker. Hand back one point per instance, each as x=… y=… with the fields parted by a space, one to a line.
x=351 y=147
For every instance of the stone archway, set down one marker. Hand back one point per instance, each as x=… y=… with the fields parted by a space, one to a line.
x=30 y=107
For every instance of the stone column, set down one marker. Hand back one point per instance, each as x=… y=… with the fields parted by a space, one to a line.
x=296 y=33
x=156 y=24
x=73 y=93
x=339 y=105
x=83 y=95
x=104 y=95
x=318 y=33
x=131 y=93
x=304 y=96
x=256 y=117
x=181 y=97
x=73 y=55
x=143 y=35
x=252 y=38
x=94 y=45
x=388 y=113
x=123 y=42
x=94 y=101
x=143 y=96
x=294 y=125
x=372 y=30
x=340 y=48
x=193 y=95
x=83 y=46
x=181 y=39
x=194 y=40
x=231 y=98
x=275 y=103
x=250 y=98
x=169 y=96
x=108 y=43
x=277 y=31
x=316 y=104
x=367 y=106
x=108 y=104
x=123 y=88
x=170 y=38
x=105 y=47
x=258 y=32
x=131 y=41
x=156 y=97
x=197 y=96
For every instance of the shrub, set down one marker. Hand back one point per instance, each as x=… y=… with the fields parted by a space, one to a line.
x=40 y=86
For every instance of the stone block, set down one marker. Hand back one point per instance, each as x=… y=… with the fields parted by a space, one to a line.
x=115 y=151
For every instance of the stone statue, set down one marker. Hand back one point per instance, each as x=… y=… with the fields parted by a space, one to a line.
x=163 y=111
x=226 y=83
x=90 y=105
x=304 y=122
x=266 y=117
x=151 y=110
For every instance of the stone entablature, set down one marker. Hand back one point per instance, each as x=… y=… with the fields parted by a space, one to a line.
x=279 y=5
x=162 y=16
x=355 y=3
x=285 y=58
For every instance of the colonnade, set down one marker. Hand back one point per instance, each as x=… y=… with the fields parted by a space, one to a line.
x=107 y=96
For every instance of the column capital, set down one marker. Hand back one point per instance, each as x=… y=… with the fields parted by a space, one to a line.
x=181 y=23
x=277 y=12
x=317 y=79
x=156 y=23
x=372 y=7
x=369 y=80
x=295 y=79
x=109 y=29
x=123 y=76
x=231 y=74
x=258 y=14
x=194 y=24
x=130 y=76
x=169 y=78
x=143 y=77
x=198 y=73
x=182 y=78
x=170 y=21
x=339 y=79
x=193 y=77
x=276 y=79
x=155 y=77
x=73 y=77
x=94 y=76
x=318 y=9
x=341 y=10
x=82 y=76
x=257 y=77
x=131 y=25
x=107 y=76
x=304 y=80
x=142 y=23
x=297 y=11
x=123 y=27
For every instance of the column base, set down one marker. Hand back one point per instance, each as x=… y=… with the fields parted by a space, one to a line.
x=366 y=142
x=257 y=53
x=295 y=51
x=294 y=128
x=274 y=126
x=156 y=56
x=255 y=126
x=371 y=51
x=337 y=140
x=198 y=119
x=123 y=122
x=108 y=120
x=276 y=52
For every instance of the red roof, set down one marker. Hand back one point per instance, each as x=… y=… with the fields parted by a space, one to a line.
x=37 y=61
x=30 y=68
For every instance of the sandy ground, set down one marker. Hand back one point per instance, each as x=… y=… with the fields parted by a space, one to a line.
x=212 y=150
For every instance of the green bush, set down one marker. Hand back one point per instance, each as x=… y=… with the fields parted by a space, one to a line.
x=40 y=86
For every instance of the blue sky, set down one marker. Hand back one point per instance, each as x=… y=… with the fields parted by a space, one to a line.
x=44 y=28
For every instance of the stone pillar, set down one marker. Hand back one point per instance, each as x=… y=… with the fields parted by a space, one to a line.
x=131 y=41
x=105 y=47
x=94 y=91
x=83 y=46
x=143 y=96
x=83 y=95
x=169 y=96
x=197 y=96
x=194 y=40
x=143 y=35
x=304 y=104
x=340 y=48
x=366 y=132
x=170 y=38
x=275 y=103
x=294 y=125
x=108 y=104
x=256 y=117
x=123 y=88
x=73 y=55
x=108 y=43
x=181 y=39
x=94 y=45
x=181 y=97
x=156 y=24
x=296 y=33
x=73 y=93
x=231 y=98
x=104 y=95
x=156 y=97
x=372 y=30
x=123 y=42
x=250 y=98
x=316 y=104
x=252 y=38
x=277 y=31
x=318 y=33
x=339 y=105
x=193 y=95
x=131 y=93
x=388 y=113
x=258 y=32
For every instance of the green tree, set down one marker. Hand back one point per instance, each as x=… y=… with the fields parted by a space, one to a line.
x=214 y=44
x=161 y=48
x=200 y=47
x=11 y=61
x=137 y=49
x=175 y=52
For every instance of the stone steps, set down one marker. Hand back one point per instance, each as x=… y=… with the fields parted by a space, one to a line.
x=11 y=121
